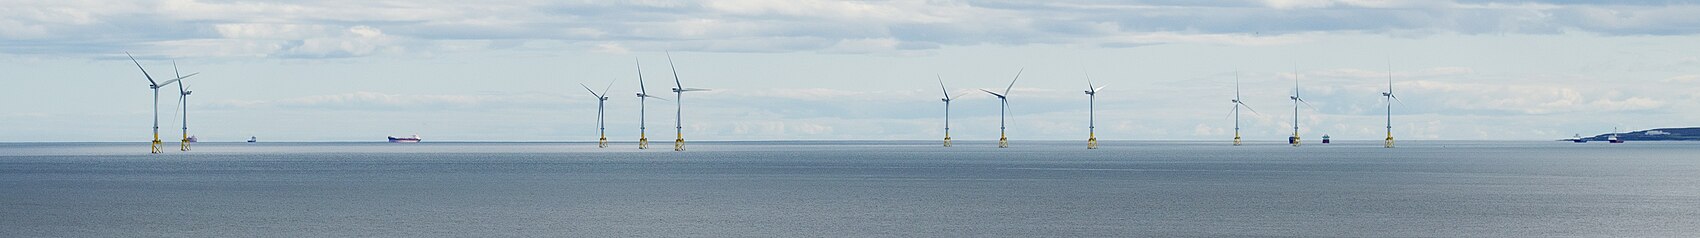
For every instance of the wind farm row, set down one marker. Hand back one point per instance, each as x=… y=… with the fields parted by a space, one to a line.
x=1092 y=90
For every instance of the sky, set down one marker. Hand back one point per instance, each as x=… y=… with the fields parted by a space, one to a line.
x=847 y=70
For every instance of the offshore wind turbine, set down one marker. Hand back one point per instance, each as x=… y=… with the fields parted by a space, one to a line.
x=679 y=90
x=155 y=85
x=1091 y=113
x=946 y=100
x=1294 y=140
x=1390 y=99
x=183 y=100
x=1003 y=108
x=1237 y=105
x=643 y=94
x=601 y=99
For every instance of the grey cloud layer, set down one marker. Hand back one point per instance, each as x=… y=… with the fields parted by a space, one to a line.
x=335 y=29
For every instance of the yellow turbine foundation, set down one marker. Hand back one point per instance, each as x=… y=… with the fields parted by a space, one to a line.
x=156 y=148
x=679 y=144
x=1003 y=140
x=946 y=139
x=1236 y=138
x=185 y=145
x=1092 y=141
x=1296 y=140
x=1389 y=142
x=643 y=142
x=603 y=142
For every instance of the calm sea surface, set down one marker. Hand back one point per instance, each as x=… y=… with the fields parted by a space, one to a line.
x=882 y=189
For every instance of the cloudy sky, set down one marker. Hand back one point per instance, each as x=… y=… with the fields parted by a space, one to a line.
x=826 y=70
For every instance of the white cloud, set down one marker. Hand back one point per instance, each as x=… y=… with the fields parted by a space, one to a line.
x=353 y=29
x=1684 y=78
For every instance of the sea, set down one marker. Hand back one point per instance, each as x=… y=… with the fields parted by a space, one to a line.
x=853 y=189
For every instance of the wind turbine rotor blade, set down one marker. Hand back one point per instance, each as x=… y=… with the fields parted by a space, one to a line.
x=174 y=69
x=1100 y=88
x=610 y=86
x=1089 y=81
x=993 y=93
x=941 y=87
x=641 y=88
x=168 y=82
x=675 y=69
x=1307 y=104
x=1248 y=107
x=144 y=70
x=592 y=92
x=1012 y=81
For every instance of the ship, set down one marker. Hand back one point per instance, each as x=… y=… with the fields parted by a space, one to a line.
x=252 y=139
x=1578 y=139
x=192 y=139
x=412 y=139
x=1613 y=139
x=1325 y=138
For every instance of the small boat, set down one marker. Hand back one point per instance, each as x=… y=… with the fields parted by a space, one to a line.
x=413 y=139
x=1578 y=139
x=192 y=139
x=1325 y=138
x=253 y=139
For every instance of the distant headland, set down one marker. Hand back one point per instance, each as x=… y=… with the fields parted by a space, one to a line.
x=1661 y=134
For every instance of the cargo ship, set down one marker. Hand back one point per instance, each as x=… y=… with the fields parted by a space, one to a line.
x=412 y=139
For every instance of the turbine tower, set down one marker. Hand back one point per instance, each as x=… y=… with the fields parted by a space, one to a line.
x=183 y=100
x=1390 y=99
x=601 y=99
x=643 y=94
x=1237 y=105
x=1091 y=113
x=155 y=85
x=946 y=100
x=679 y=90
x=1003 y=108
x=1294 y=140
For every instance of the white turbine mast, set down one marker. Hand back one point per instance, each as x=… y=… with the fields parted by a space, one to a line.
x=601 y=100
x=1091 y=112
x=947 y=98
x=1237 y=105
x=643 y=110
x=1003 y=108
x=1390 y=100
x=1294 y=140
x=679 y=90
x=183 y=105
